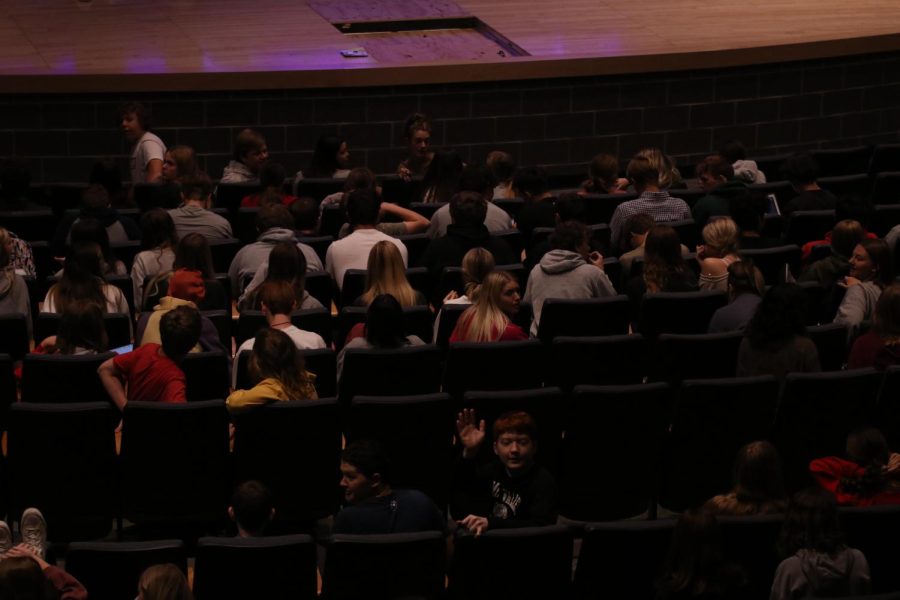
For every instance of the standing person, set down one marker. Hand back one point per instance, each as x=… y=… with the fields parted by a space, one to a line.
x=880 y=346
x=511 y=491
x=250 y=154
x=417 y=131
x=718 y=252
x=194 y=216
x=870 y=272
x=868 y=476
x=818 y=564
x=569 y=270
x=157 y=255
x=372 y=505
x=489 y=319
x=149 y=151
x=654 y=200
x=776 y=342
x=278 y=372
x=758 y=484
x=152 y=372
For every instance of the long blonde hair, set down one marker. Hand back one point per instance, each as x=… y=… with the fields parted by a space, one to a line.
x=485 y=321
x=386 y=275
x=476 y=265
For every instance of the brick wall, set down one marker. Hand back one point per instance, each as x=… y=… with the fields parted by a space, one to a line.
x=773 y=108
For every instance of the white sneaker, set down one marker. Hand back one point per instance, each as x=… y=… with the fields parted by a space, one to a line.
x=34 y=530
x=5 y=538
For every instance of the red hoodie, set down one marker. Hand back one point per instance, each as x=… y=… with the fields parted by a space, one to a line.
x=828 y=473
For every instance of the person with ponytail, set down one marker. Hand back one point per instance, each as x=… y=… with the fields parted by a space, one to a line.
x=870 y=474
x=476 y=265
x=489 y=318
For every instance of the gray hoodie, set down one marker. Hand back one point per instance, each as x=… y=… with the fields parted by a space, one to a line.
x=747 y=171
x=237 y=172
x=564 y=274
x=14 y=296
x=250 y=257
x=810 y=574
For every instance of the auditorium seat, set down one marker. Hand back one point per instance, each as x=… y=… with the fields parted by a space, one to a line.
x=713 y=419
x=223 y=252
x=885 y=157
x=222 y=321
x=111 y=570
x=678 y=312
x=396 y=565
x=888 y=408
x=625 y=422
x=126 y=251
x=873 y=530
x=417 y=320
x=831 y=343
x=174 y=465
x=333 y=217
x=808 y=225
x=606 y=360
x=7 y=390
x=584 y=317
x=320 y=286
x=30 y=225
x=886 y=188
x=229 y=195
x=117 y=326
x=416 y=244
x=481 y=366
x=61 y=378
x=243 y=224
x=277 y=568
x=403 y=371
x=207 y=375
x=752 y=543
x=525 y=562
x=772 y=262
x=294 y=448
x=449 y=316
x=858 y=185
x=318 y=243
x=599 y=208
x=782 y=190
x=835 y=162
x=317 y=320
x=62 y=459
x=416 y=433
x=695 y=356
x=14 y=336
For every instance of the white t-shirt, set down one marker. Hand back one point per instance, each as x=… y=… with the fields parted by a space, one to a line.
x=304 y=340
x=148 y=148
x=352 y=252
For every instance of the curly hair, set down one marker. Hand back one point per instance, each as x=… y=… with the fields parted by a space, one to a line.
x=662 y=257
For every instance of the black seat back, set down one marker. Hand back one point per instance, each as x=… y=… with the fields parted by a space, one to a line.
x=111 y=570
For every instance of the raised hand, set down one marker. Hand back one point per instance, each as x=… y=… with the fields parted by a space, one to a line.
x=470 y=435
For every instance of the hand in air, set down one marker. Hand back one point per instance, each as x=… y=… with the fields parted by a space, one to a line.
x=470 y=435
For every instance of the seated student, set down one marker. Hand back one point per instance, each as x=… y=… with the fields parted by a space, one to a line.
x=775 y=342
x=870 y=475
x=748 y=212
x=185 y=289
x=91 y=231
x=278 y=370
x=745 y=288
x=880 y=346
x=152 y=372
x=24 y=574
x=331 y=158
x=274 y=224
x=149 y=151
x=385 y=275
x=746 y=170
x=716 y=176
x=277 y=302
x=191 y=253
x=306 y=216
x=848 y=208
x=636 y=229
x=828 y=271
x=163 y=582
x=271 y=178
x=502 y=167
x=476 y=265
x=569 y=270
x=441 y=179
x=286 y=263
x=758 y=484
x=474 y=178
x=801 y=170
x=95 y=204
x=489 y=319
x=870 y=272
x=15 y=179
x=403 y=221
x=14 y=299
x=82 y=281
x=371 y=505
x=194 y=216
x=695 y=566
x=157 y=255
x=179 y=162
x=251 y=509
x=250 y=154
x=665 y=269
x=819 y=564
x=383 y=330
x=530 y=184
x=511 y=491
x=603 y=176
x=718 y=252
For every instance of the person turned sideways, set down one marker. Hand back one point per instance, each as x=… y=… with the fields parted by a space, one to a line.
x=152 y=372
x=511 y=491
x=372 y=505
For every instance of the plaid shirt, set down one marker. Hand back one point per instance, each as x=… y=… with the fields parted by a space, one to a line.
x=659 y=205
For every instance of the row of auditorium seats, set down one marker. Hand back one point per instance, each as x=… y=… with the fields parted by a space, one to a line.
x=660 y=444
x=615 y=560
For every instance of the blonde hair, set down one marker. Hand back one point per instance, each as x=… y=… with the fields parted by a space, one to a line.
x=476 y=265
x=668 y=174
x=485 y=321
x=386 y=275
x=721 y=236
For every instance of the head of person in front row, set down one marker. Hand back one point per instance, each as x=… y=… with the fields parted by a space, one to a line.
x=477 y=264
x=163 y=582
x=252 y=508
x=489 y=319
x=80 y=331
x=385 y=274
x=757 y=483
x=384 y=323
x=275 y=356
x=664 y=265
x=180 y=161
x=250 y=150
x=330 y=156
x=365 y=471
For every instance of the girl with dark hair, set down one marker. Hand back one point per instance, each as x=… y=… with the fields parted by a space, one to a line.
x=82 y=281
x=880 y=347
x=603 y=176
x=441 y=180
x=819 y=563
x=758 y=484
x=80 y=331
x=695 y=566
x=92 y=231
x=157 y=255
x=664 y=266
x=331 y=158
x=870 y=272
x=286 y=263
x=775 y=342
x=417 y=131
x=24 y=574
x=192 y=253
x=383 y=329
x=870 y=474
x=278 y=370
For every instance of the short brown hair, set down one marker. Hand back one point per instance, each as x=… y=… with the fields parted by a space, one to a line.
x=515 y=421
x=247 y=141
x=196 y=186
x=716 y=166
x=642 y=172
x=278 y=296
